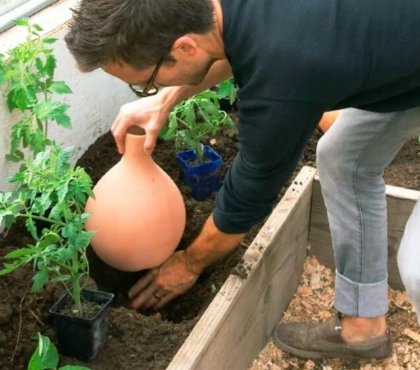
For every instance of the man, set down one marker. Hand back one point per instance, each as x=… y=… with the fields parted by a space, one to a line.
x=292 y=60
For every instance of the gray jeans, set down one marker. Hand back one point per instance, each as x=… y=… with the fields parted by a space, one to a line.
x=351 y=158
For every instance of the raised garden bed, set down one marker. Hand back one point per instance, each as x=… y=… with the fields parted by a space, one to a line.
x=237 y=322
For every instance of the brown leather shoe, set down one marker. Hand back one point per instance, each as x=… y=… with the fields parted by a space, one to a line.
x=322 y=340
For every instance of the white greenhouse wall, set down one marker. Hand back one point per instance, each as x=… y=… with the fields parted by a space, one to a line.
x=94 y=103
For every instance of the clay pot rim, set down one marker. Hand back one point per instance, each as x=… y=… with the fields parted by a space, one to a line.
x=136 y=131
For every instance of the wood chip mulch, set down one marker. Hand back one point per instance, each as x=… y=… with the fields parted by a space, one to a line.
x=313 y=300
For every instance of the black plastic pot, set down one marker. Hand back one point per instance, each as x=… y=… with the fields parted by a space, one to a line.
x=203 y=179
x=79 y=337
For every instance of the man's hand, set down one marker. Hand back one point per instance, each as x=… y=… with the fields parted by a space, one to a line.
x=180 y=272
x=164 y=283
x=149 y=113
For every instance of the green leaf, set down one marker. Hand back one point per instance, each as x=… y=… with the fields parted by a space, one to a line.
x=55 y=213
x=59 y=87
x=39 y=65
x=16 y=156
x=20 y=252
x=49 y=40
x=48 y=239
x=45 y=355
x=22 y=22
x=37 y=27
x=30 y=226
x=17 y=177
x=20 y=96
x=9 y=267
x=62 y=192
x=83 y=239
x=39 y=280
x=45 y=110
x=50 y=65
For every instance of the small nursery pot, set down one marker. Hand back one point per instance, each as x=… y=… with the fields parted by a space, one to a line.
x=78 y=337
x=203 y=179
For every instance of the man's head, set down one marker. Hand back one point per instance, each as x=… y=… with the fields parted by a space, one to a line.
x=138 y=33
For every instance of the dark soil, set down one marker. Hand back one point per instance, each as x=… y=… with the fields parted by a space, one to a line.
x=141 y=340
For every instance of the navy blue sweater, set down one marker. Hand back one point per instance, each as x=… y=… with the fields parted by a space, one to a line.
x=295 y=59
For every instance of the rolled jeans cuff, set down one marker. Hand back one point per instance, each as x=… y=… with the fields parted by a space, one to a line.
x=360 y=299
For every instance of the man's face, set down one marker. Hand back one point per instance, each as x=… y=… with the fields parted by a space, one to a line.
x=169 y=74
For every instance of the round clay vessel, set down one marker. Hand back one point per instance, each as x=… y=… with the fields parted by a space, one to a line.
x=138 y=212
x=328 y=120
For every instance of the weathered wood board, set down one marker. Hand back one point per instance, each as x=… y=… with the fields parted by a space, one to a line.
x=241 y=318
x=400 y=201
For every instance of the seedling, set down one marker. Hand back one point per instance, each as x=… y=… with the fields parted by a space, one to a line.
x=194 y=119
x=50 y=190
x=28 y=72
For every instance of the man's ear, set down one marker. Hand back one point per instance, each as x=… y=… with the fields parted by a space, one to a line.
x=184 y=46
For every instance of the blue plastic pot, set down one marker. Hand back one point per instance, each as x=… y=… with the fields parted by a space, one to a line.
x=203 y=179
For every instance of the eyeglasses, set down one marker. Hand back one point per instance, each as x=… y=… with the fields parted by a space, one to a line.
x=150 y=89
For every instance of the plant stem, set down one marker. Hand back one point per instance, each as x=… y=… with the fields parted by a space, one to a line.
x=75 y=278
x=40 y=218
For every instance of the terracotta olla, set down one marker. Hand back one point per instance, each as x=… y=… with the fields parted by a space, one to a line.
x=138 y=212
x=327 y=120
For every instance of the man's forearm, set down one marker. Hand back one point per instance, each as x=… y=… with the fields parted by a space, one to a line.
x=210 y=246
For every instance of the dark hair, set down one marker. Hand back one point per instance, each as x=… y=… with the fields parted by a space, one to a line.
x=137 y=32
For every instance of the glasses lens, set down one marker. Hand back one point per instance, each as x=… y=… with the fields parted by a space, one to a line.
x=139 y=90
x=152 y=90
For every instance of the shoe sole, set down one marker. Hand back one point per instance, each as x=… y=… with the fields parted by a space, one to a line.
x=319 y=355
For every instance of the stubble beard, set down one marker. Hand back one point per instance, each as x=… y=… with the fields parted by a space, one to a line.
x=198 y=77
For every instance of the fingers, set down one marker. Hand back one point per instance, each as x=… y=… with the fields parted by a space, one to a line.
x=151 y=139
x=164 y=301
x=118 y=131
x=152 y=297
x=129 y=116
x=146 y=298
x=146 y=293
x=142 y=283
x=163 y=284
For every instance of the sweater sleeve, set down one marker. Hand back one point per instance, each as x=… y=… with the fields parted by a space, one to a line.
x=272 y=135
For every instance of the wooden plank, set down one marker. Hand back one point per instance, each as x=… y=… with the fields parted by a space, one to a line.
x=400 y=203
x=241 y=318
x=319 y=231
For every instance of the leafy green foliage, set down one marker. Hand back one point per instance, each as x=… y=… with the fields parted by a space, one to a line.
x=193 y=119
x=227 y=90
x=45 y=357
x=28 y=72
x=51 y=191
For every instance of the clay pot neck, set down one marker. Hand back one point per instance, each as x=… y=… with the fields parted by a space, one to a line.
x=134 y=148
